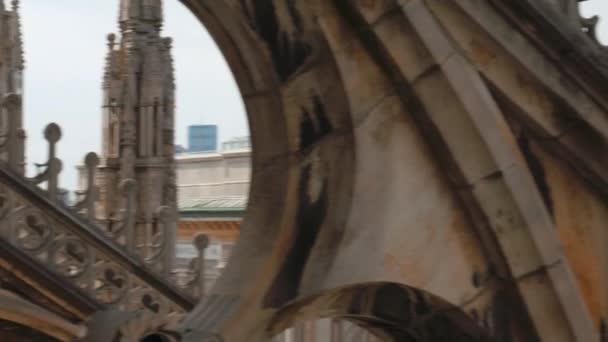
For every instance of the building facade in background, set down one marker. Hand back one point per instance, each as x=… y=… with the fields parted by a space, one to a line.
x=212 y=196
x=235 y=144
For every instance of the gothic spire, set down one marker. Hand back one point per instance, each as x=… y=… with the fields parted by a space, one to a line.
x=141 y=11
x=138 y=125
x=17 y=38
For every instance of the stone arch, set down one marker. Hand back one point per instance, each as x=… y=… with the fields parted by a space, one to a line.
x=375 y=132
x=159 y=337
x=30 y=322
x=13 y=331
x=393 y=311
x=301 y=134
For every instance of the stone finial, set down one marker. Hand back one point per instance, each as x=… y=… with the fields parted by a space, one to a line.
x=91 y=160
x=111 y=40
x=15 y=5
x=168 y=41
x=201 y=242
x=52 y=133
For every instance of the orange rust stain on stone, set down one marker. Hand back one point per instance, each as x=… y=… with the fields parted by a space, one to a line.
x=400 y=268
x=575 y=210
x=482 y=53
x=458 y=235
x=465 y=233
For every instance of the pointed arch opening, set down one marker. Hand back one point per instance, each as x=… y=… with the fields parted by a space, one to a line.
x=380 y=311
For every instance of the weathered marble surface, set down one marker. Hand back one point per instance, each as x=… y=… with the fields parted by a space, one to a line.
x=419 y=167
x=423 y=143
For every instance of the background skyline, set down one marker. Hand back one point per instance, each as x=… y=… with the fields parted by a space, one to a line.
x=65 y=49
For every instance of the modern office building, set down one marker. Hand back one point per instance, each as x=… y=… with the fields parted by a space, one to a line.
x=202 y=138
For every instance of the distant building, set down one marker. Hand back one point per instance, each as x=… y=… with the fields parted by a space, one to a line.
x=239 y=143
x=212 y=175
x=212 y=196
x=202 y=138
x=180 y=149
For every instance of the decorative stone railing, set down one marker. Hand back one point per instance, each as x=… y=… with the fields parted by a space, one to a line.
x=74 y=248
x=121 y=227
x=98 y=257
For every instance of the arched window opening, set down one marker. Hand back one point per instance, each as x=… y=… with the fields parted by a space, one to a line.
x=373 y=312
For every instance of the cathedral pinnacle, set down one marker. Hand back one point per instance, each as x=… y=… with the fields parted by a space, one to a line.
x=17 y=39
x=146 y=11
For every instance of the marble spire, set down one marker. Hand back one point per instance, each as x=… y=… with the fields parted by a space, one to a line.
x=141 y=11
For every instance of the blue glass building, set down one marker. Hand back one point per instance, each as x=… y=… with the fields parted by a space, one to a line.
x=202 y=138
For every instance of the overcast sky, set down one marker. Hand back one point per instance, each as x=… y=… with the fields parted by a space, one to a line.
x=65 y=47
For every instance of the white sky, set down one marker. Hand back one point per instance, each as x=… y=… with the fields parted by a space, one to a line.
x=65 y=47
